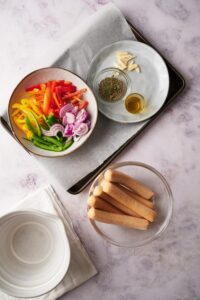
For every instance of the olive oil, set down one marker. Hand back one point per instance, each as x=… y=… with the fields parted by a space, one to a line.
x=134 y=103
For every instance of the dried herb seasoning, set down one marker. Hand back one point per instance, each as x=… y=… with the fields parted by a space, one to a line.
x=111 y=89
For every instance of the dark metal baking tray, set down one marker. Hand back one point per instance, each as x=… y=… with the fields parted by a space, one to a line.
x=176 y=86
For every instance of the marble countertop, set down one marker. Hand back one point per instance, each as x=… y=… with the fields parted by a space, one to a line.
x=168 y=268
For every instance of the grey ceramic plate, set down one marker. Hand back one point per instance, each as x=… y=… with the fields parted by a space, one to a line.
x=152 y=82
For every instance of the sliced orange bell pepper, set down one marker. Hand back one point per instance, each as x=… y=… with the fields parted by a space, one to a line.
x=82 y=104
x=75 y=94
x=47 y=98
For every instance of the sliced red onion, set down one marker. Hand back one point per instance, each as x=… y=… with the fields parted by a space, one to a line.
x=67 y=108
x=74 y=110
x=57 y=128
x=46 y=132
x=69 y=130
x=82 y=115
x=69 y=118
x=54 y=129
x=80 y=129
x=64 y=121
x=88 y=122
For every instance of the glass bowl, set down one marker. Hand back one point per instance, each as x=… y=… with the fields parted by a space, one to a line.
x=109 y=72
x=129 y=237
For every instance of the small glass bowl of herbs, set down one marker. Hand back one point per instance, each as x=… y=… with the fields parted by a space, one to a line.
x=111 y=85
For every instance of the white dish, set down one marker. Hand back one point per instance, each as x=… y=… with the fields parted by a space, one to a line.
x=34 y=253
x=43 y=75
x=152 y=82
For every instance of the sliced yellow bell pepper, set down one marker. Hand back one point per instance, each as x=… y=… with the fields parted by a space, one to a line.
x=25 y=101
x=15 y=112
x=36 y=109
x=29 y=135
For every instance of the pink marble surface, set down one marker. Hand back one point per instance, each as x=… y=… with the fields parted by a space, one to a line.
x=169 y=268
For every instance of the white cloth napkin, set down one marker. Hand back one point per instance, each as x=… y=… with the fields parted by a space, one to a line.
x=81 y=268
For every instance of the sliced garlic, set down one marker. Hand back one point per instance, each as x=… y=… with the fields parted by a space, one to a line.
x=126 y=60
x=119 y=66
x=122 y=53
x=116 y=74
x=138 y=70
x=132 y=67
x=131 y=61
x=122 y=64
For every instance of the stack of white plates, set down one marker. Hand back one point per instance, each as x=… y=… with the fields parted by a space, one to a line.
x=34 y=253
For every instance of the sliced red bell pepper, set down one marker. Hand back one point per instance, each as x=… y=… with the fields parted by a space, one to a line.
x=52 y=101
x=53 y=104
x=56 y=100
x=36 y=86
x=60 y=82
x=56 y=112
x=66 y=83
x=63 y=83
x=68 y=89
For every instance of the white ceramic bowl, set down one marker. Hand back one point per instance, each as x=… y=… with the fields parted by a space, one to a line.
x=44 y=75
x=34 y=253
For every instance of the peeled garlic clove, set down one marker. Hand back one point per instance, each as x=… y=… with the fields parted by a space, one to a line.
x=138 y=70
x=132 y=67
x=122 y=53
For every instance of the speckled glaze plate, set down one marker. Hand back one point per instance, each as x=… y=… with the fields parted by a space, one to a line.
x=43 y=75
x=152 y=82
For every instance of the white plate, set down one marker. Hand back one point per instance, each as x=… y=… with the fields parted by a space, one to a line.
x=152 y=82
x=44 y=75
x=34 y=253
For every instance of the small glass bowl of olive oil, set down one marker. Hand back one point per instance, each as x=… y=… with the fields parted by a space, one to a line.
x=134 y=103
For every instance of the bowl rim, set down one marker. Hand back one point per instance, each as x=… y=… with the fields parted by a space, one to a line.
x=41 y=214
x=170 y=199
x=10 y=118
